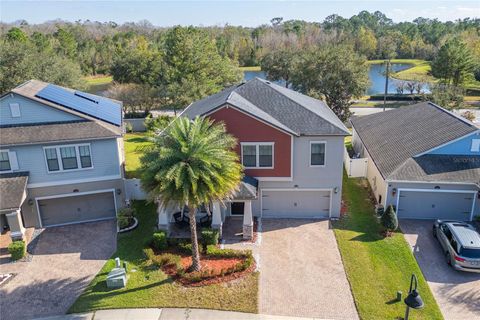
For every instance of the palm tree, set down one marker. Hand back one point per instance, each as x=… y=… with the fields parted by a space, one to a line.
x=191 y=163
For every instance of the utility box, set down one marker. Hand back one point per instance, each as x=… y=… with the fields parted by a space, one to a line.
x=117 y=278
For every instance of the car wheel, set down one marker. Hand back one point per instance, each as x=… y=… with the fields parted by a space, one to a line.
x=448 y=258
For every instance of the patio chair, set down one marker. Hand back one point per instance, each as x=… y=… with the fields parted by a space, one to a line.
x=180 y=220
x=206 y=221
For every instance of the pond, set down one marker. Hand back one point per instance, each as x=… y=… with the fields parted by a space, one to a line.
x=376 y=75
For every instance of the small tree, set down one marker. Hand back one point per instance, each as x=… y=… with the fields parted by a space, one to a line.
x=389 y=219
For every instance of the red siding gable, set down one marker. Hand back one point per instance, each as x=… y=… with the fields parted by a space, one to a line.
x=248 y=129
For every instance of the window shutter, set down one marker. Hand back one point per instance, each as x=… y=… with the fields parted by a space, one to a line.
x=12 y=156
x=15 y=110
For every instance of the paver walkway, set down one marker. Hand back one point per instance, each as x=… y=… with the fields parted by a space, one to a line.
x=64 y=262
x=457 y=293
x=301 y=271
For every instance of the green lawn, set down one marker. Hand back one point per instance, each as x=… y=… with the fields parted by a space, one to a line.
x=152 y=288
x=135 y=143
x=377 y=267
x=254 y=68
x=98 y=83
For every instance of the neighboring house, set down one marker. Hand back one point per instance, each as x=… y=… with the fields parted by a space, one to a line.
x=291 y=147
x=422 y=159
x=61 y=157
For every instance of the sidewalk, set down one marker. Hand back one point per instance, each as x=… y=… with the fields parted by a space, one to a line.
x=169 y=314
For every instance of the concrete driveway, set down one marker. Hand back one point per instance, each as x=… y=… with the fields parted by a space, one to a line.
x=64 y=262
x=457 y=293
x=301 y=271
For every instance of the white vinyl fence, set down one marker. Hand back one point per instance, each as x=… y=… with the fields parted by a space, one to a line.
x=133 y=190
x=355 y=167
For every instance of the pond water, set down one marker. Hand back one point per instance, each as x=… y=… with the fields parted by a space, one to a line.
x=376 y=75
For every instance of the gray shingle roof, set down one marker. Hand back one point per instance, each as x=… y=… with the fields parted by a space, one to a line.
x=393 y=137
x=12 y=187
x=284 y=108
x=65 y=131
x=437 y=168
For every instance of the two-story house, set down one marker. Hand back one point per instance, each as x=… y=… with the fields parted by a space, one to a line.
x=422 y=159
x=291 y=147
x=61 y=157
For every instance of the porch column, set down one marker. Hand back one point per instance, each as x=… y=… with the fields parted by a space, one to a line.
x=217 y=217
x=17 y=231
x=247 y=220
x=162 y=212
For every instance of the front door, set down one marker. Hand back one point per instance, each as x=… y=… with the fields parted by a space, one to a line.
x=237 y=208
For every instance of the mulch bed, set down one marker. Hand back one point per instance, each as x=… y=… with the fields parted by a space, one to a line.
x=211 y=264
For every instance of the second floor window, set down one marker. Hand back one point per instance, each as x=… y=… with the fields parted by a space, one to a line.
x=71 y=157
x=257 y=155
x=317 y=153
x=4 y=161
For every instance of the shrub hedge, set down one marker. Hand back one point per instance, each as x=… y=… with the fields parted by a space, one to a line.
x=210 y=236
x=160 y=240
x=17 y=249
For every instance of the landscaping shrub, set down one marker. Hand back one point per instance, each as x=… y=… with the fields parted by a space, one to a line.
x=160 y=240
x=125 y=217
x=167 y=260
x=128 y=127
x=389 y=219
x=213 y=251
x=149 y=254
x=158 y=123
x=17 y=249
x=210 y=236
x=185 y=247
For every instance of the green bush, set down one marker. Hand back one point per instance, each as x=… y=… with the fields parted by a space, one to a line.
x=167 y=260
x=17 y=249
x=160 y=240
x=128 y=127
x=213 y=251
x=149 y=254
x=125 y=217
x=389 y=219
x=210 y=236
x=186 y=247
x=157 y=123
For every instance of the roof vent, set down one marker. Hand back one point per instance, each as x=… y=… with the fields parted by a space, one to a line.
x=267 y=82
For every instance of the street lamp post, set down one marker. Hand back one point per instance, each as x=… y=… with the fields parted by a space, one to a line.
x=413 y=300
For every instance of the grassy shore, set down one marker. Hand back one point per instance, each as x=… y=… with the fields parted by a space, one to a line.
x=98 y=83
x=254 y=68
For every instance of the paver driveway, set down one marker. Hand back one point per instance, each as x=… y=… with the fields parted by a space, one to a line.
x=65 y=260
x=301 y=271
x=457 y=293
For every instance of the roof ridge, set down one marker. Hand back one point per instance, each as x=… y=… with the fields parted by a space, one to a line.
x=452 y=114
x=269 y=84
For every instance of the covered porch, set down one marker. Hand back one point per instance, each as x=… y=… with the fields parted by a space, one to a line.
x=13 y=193
x=232 y=218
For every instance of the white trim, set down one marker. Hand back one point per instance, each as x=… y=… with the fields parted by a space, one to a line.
x=75 y=194
x=298 y=189
x=324 y=154
x=77 y=155
x=475 y=193
x=291 y=157
x=432 y=182
x=257 y=154
x=227 y=105
x=65 y=182
x=274 y=178
x=447 y=143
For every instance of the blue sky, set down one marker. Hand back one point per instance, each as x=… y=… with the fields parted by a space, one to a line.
x=246 y=13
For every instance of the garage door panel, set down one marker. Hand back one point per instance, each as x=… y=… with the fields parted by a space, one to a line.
x=295 y=204
x=75 y=209
x=435 y=205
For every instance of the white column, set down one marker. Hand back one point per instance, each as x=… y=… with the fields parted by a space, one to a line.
x=163 y=216
x=17 y=231
x=247 y=220
x=217 y=221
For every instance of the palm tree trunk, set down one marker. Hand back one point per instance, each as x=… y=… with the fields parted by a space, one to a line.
x=193 y=234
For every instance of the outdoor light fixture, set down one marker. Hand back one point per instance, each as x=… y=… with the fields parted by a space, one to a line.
x=119 y=191
x=30 y=202
x=335 y=189
x=413 y=300
x=394 y=191
x=436 y=187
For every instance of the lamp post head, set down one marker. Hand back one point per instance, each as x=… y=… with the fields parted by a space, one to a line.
x=413 y=300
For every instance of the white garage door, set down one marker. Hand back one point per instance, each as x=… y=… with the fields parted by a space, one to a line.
x=76 y=209
x=435 y=205
x=295 y=204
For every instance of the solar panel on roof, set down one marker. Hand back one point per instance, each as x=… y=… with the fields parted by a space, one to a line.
x=89 y=104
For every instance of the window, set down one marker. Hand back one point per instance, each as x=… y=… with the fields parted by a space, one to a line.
x=257 y=155
x=4 y=161
x=15 y=110
x=317 y=153
x=85 y=159
x=52 y=160
x=475 y=145
x=71 y=157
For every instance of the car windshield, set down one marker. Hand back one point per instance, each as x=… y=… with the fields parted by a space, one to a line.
x=470 y=253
